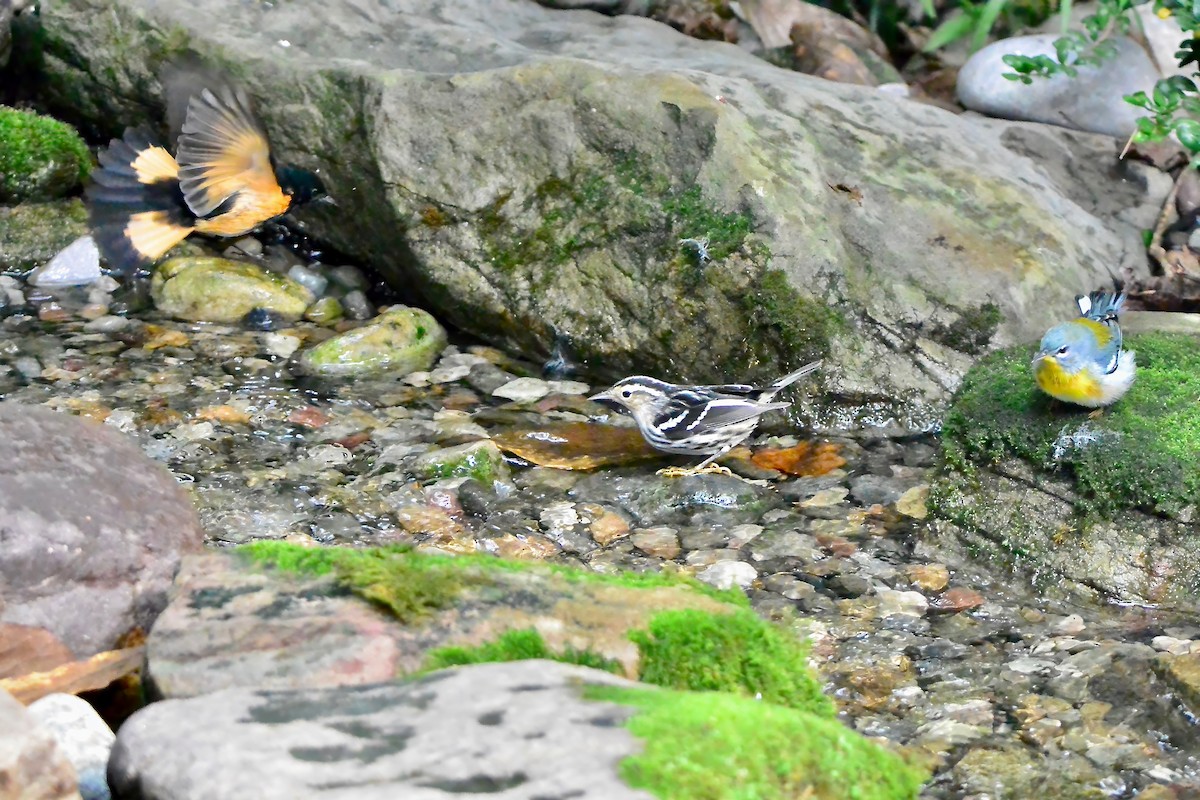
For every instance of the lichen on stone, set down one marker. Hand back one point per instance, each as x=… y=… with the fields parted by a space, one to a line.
x=33 y=233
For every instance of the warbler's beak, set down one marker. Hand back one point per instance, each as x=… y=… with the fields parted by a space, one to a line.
x=605 y=399
x=326 y=200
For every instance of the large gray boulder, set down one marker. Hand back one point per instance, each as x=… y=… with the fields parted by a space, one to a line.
x=531 y=173
x=91 y=530
x=520 y=729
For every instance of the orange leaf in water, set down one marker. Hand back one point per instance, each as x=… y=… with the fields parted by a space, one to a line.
x=577 y=445
x=807 y=459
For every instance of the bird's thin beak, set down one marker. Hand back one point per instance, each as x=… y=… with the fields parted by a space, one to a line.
x=326 y=200
x=600 y=396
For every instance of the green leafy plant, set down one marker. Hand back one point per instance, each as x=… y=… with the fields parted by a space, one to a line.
x=977 y=20
x=1173 y=105
x=1075 y=49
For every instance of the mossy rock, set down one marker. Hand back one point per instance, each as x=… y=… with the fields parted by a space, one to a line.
x=33 y=233
x=206 y=289
x=1108 y=502
x=481 y=460
x=40 y=158
x=397 y=342
x=665 y=629
x=1012 y=774
x=738 y=701
x=714 y=746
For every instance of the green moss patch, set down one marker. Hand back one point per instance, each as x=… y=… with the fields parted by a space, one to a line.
x=516 y=646
x=739 y=653
x=1140 y=454
x=397 y=572
x=40 y=158
x=716 y=746
x=408 y=584
x=788 y=321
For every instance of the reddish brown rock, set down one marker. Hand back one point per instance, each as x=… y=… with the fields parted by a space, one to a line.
x=91 y=530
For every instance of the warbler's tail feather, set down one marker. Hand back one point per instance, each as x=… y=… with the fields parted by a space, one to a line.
x=792 y=377
x=136 y=209
x=1101 y=306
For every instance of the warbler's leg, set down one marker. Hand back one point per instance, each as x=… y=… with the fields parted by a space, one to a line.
x=1097 y=414
x=705 y=467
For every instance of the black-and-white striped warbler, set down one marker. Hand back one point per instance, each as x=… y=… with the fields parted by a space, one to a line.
x=697 y=420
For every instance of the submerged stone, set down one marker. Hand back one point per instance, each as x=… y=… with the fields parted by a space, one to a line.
x=1110 y=502
x=399 y=341
x=205 y=289
x=480 y=460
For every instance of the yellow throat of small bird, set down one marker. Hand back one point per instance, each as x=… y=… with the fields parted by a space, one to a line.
x=1057 y=382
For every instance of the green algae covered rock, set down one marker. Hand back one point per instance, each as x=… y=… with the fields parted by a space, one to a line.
x=207 y=289
x=481 y=460
x=1110 y=503
x=40 y=158
x=399 y=341
x=728 y=699
x=714 y=745
x=33 y=233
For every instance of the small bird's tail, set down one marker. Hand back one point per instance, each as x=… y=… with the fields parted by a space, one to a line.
x=1101 y=306
x=136 y=209
x=788 y=380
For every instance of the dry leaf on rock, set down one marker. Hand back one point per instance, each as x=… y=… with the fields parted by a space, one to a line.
x=577 y=445
x=807 y=459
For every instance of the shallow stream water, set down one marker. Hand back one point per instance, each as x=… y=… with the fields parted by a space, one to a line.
x=1009 y=690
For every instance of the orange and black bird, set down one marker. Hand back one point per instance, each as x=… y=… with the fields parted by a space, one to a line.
x=222 y=180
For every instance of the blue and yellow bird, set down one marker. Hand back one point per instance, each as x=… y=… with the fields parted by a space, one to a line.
x=1081 y=361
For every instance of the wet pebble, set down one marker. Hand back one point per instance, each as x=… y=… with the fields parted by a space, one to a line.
x=728 y=574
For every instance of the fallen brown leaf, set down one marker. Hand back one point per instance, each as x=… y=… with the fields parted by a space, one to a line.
x=807 y=459
x=577 y=445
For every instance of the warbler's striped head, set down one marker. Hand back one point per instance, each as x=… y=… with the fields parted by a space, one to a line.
x=1071 y=345
x=640 y=395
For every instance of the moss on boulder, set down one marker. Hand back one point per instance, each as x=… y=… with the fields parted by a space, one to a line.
x=399 y=341
x=40 y=158
x=33 y=233
x=739 y=706
x=714 y=745
x=206 y=289
x=1108 y=501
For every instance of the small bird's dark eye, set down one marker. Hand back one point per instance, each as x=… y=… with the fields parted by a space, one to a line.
x=626 y=394
x=1062 y=351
